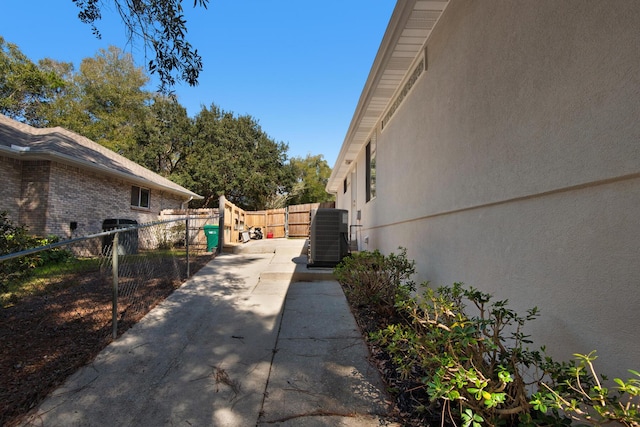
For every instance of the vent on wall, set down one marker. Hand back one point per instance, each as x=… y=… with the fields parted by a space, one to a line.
x=406 y=88
x=328 y=237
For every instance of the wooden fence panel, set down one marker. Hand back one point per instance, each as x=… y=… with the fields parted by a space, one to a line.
x=293 y=221
x=299 y=219
x=256 y=219
x=198 y=218
x=276 y=223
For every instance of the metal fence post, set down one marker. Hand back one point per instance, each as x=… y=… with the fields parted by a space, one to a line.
x=186 y=238
x=220 y=230
x=114 y=305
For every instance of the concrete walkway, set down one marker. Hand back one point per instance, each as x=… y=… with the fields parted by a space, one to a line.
x=253 y=339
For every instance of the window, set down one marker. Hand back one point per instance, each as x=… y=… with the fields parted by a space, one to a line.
x=344 y=186
x=371 y=170
x=140 y=197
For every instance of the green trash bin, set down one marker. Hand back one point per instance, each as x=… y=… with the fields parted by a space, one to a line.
x=211 y=231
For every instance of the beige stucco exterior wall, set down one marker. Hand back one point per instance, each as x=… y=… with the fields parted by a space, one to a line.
x=513 y=165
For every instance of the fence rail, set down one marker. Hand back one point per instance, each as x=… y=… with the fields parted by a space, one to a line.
x=292 y=221
x=63 y=302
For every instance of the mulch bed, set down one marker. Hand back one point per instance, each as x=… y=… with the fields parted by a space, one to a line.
x=409 y=397
x=46 y=338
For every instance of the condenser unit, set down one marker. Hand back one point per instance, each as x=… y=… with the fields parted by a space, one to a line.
x=328 y=237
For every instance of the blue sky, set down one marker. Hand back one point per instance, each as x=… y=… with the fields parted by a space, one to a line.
x=298 y=67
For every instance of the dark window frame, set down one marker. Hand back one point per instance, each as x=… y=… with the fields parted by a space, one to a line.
x=370 y=171
x=140 y=197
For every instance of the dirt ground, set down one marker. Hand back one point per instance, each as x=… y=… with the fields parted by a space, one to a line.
x=409 y=397
x=46 y=338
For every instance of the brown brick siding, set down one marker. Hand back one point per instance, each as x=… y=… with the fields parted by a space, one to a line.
x=48 y=196
x=34 y=195
x=88 y=199
x=10 y=172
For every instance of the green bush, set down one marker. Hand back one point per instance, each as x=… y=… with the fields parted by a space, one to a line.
x=461 y=359
x=582 y=396
x=14 y=238
x=479 y=368
x=470 y=355
x=374 y=280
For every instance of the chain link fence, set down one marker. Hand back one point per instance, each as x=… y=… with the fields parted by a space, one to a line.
x=64 y=302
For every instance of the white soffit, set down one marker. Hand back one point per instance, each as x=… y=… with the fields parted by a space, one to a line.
x=404 y=40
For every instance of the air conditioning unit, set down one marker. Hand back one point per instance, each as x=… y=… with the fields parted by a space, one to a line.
x=328 y=237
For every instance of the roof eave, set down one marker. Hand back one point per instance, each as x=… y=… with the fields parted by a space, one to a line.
x=69 y=160
x=410 y=24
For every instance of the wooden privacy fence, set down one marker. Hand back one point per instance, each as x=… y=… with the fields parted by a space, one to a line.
x=198 y=218
x=299 y=218
x=292 y=221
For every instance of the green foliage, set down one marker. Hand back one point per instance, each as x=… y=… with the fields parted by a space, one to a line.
x=312 y=174
x=104 y=101
x=470 y=355
x=163 y=138
x=232 y=156
x=581 y=395
x=14 y=238
x=464 y=359
x=216 y=153
x=161 y=26
x=375 y=280
x=25 y=88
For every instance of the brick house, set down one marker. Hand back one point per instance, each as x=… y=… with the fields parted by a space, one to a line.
x=57 y=182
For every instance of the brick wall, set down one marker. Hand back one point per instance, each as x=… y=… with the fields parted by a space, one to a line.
x=34 y=195
x=10 y=182
x=48 y=197
x=87 y=199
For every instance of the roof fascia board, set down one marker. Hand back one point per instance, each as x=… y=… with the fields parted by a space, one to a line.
x=362 y=121
x=399 y=17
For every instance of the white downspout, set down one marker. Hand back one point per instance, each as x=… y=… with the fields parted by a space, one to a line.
x=186 y=203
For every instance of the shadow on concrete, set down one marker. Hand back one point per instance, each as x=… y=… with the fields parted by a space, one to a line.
x=226 y=350
x=202 y=357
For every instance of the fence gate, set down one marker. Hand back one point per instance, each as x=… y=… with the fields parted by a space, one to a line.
x=277 y=222
x=299 y=219
x=292 y=221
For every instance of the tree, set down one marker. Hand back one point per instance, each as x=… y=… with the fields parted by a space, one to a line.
x=162 y=27
x=312 y=174
x=25 y=88
x=163 y=138
x=232 y=156
x=104 y=101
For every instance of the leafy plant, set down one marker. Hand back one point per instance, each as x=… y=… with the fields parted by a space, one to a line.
x=582 y=396
x=469 y=354
x=14 y=238
x=375 y=280
x=464 y=359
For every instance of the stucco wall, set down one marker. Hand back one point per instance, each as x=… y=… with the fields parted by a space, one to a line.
x=514 y=166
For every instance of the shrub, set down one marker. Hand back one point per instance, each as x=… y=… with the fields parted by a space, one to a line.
x=374 y=280
x=582 y=396
x=14 y=238
x=464 y=359
x=480 y=371
x=469 y=354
